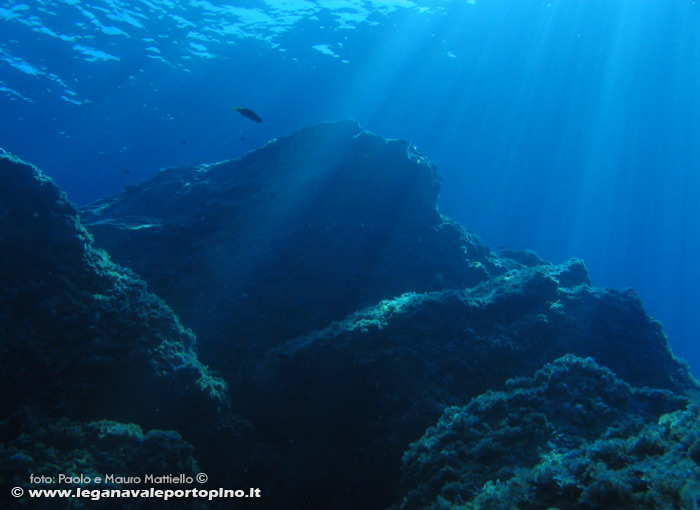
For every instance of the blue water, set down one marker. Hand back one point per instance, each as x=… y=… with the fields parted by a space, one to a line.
x=569 y=127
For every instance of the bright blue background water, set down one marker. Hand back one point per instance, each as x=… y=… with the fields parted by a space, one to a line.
x=568 y=127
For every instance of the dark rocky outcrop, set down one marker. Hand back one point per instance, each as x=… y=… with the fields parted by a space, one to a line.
x=290 y=237
x=74 y=324
x=83 y=340
x=342 y=310
x=379 y=377
x=85 y=452
x=573 y=436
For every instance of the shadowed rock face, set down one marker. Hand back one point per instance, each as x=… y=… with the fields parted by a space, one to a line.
x=309 y=228
x=344 y=312
x=83 y=340
x=385 y=373
x=347 y=313
x=49 y=447
x=573 y=436
x=74 y=323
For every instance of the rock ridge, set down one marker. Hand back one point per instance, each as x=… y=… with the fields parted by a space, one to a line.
x=342 y=315
x=289 y=237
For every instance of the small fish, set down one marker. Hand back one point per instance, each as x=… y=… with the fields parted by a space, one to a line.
x=248 y=113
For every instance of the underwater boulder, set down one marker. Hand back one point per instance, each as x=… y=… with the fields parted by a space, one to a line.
x=347 y=313
x=311 y=227
x=572 y=436
x=81 y=337
x=50 y=453
x=380 y=377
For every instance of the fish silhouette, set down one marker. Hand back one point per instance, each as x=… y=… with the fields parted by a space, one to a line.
x=248 y=113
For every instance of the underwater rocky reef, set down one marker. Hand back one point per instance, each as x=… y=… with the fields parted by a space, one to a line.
x=89 y=356
x=306 y=230
x=572 y=436
x=329 y=337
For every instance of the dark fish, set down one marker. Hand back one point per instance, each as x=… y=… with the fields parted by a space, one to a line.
x=248 y=113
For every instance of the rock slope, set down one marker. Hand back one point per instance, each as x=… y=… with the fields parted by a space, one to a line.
x=346 y=312
x=83 y=341
x=345 y=315
x=290 y=237
x=572 y=436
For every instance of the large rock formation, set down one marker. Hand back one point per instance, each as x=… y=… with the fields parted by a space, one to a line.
x=378 y=378
x=49 y=447
x=303 y=231
x=74 y=324
x=573 y=436
x=346 y=312
x=82 y=341
x=345 y=315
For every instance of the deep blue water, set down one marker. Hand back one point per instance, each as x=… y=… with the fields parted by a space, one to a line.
x=568 y=127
